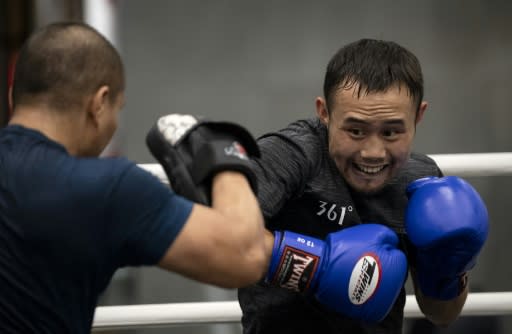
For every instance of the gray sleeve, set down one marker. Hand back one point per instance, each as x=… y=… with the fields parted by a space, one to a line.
x=287 y=162
x=426 y=164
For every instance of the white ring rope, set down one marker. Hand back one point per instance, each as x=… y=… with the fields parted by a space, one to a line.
x=462 y=164
x=475 y=164
x=182 y=314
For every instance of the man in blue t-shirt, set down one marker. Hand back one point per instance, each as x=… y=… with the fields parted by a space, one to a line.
x=69 y=219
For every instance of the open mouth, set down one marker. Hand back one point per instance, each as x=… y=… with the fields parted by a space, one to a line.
x=370 y=170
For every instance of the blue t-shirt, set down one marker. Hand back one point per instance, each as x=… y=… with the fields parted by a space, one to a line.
x=67 y=224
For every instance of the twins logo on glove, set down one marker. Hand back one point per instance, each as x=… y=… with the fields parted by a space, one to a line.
x=296 y=268
x=237 y=150
x=364 y=279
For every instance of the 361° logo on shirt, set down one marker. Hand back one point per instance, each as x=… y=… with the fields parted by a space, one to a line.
x=333 y=212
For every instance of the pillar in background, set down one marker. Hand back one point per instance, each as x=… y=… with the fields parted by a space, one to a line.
x=16 y=23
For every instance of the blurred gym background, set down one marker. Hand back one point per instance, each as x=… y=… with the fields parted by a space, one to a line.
x=261 y=63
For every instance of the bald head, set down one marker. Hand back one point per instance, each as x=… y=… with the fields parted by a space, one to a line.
x=63 y=63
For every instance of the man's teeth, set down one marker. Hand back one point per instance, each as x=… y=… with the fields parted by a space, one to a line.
x=371 y=170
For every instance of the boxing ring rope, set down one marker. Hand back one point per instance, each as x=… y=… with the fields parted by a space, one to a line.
x=463 y=165
x=183 y=314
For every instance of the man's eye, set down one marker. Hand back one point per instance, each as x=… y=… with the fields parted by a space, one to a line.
x=356 y=132
x=392 y=133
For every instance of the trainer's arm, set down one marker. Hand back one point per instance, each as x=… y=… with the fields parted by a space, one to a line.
x=227 y=244
x=439 y=312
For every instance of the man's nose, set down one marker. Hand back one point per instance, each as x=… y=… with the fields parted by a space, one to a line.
x=373 y=149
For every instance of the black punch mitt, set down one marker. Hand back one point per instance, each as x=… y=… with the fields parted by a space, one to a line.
x=192 y=150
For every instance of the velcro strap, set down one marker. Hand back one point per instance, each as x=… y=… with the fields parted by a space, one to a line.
x=217 y=156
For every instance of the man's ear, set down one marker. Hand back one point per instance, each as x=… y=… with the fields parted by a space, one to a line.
x=421 y=111
x=98 y=103
x=321 y=110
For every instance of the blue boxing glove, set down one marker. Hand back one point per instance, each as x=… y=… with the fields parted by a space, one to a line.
x=358 y=271
x=447 y=225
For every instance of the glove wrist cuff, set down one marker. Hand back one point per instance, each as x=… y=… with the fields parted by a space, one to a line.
x=443 y=288
x=295 y=261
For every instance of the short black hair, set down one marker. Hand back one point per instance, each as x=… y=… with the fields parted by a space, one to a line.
x=64 y=62
x=374 y=65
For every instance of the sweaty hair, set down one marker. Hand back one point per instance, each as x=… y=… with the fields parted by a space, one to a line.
x=375 y=66
x=62 y=63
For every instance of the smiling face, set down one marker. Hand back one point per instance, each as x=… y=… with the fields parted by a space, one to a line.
x=371 y=135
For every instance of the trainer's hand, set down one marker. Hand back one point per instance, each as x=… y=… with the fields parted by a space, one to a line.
x=358 y=271
x=193 y=150
x=447 y=225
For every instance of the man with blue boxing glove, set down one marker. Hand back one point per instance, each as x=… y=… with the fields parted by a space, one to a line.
x=350 y=167
x=357 y=272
